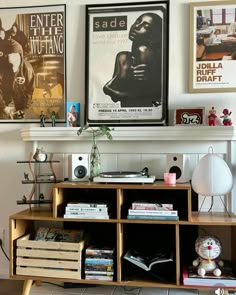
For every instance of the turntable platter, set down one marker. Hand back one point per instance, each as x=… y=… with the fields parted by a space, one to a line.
x=121 y=174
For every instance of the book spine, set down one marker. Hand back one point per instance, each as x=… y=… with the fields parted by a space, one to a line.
x=86 y=216
x=88 y=213
x=95 y=272
x=106 y=256
x=99 y=267
x=91 y=252
x=153 y=212
x=87 y=205
x=88 y=209
x=103 y=261
x=153 y=217
x=99 y=278
x=151 y=206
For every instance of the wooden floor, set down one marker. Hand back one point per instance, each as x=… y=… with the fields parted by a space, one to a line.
x=12 y=288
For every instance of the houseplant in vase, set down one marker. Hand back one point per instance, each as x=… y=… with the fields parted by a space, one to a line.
x=95 y=157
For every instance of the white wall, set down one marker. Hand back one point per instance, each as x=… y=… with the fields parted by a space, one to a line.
x=13 y=149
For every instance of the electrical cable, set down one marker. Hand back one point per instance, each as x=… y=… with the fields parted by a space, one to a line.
x=212 y=203
x=4 y=250
x=61 y=286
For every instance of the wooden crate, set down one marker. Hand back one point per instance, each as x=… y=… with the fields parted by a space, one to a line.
x=49 y=259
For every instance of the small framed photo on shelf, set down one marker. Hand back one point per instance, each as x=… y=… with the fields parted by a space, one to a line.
x=190 y=116
x=127 y=63
x=212 y=46
x=72 y=114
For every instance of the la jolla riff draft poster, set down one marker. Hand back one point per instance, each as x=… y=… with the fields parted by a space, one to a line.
x=32 y=63
x=127 y=52
x=214 y=46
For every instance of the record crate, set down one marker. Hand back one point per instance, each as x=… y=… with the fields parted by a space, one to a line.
x=49 y=258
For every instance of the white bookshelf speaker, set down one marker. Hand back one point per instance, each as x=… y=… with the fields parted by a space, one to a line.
x=78 y=167
x=179 y=164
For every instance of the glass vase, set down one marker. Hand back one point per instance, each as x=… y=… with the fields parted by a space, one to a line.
x=95 y=161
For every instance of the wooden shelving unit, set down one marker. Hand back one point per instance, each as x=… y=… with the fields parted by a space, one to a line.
x=123 y=233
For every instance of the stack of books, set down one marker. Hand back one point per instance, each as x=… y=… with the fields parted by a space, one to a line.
x=145 y=210
x=226 y=280
x=99 y=263
x=87 y=210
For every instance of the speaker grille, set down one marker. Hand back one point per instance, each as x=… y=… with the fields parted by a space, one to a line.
x=177 y=170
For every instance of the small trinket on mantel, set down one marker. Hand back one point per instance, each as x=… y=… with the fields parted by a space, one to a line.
x=226 y=117
x=212 y=117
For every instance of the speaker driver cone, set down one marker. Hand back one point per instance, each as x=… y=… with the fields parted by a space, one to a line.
x=80 y=171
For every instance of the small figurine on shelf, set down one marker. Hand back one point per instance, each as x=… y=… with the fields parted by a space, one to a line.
x=40 y=155
x=42 y=119
x=212 y=117
x=24 y=199
x=226 y=117
x=26 y=176
x=41 y=197
x=53 y=117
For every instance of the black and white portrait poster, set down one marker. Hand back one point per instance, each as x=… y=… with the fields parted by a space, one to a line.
x=127 y=63
x=32 y=63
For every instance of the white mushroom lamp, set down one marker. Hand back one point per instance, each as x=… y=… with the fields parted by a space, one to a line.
x=212 y=177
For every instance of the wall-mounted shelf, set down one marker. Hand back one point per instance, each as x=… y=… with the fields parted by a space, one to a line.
x=144 y=133
x=35 y=180
x=33 y=202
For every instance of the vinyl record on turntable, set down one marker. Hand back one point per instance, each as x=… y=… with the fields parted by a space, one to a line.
x=120 y=174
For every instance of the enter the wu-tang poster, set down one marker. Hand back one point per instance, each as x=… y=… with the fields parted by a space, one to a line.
x=32 y=63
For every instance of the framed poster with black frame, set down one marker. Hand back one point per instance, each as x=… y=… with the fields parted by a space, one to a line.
x=127 y=64
x=32 y=63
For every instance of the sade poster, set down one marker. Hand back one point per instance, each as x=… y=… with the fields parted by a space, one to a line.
x=127 y=63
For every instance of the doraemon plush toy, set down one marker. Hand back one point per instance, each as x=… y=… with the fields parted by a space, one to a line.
x=208 y=249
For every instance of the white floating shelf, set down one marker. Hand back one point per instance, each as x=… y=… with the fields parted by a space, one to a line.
x=144 y=133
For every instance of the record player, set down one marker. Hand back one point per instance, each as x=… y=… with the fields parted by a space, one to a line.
x=125 y=177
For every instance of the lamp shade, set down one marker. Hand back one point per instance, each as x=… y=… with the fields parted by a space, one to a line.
x=212 y=176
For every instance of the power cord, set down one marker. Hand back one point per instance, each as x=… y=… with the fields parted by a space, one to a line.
x=3 y=250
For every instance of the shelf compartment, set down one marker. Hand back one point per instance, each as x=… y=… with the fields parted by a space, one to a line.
x=99 y=235
x=149 y=239
x=223 y=231
x=62 y=196
x=179 y=199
